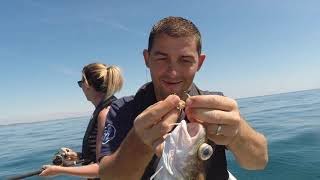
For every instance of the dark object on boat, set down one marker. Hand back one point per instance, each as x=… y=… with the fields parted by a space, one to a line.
x=59 y=159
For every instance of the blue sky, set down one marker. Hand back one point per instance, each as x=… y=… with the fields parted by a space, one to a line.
x=253 y=48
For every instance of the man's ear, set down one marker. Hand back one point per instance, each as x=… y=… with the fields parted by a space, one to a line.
x=146 y=57
x=202 y=57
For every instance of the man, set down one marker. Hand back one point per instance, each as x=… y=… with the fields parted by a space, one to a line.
x=136 y=126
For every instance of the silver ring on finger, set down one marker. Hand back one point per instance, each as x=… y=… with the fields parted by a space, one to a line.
x=218 y=132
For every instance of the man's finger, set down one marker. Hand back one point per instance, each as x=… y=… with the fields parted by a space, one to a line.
x=154 y=114
x=220 y=140
x=214 y=116
x=225 y=130
x=165 y=125
x=212 y=102
x=157 y=146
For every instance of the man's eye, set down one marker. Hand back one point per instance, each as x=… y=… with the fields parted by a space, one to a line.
x=161 y=58
x=187 y=61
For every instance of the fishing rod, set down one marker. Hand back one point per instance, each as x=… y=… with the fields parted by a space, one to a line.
x=29 y=174
x=59 y=159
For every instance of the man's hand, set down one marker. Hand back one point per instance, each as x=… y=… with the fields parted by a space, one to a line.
x=224 y=126
x=219 y=115
x=156 y=121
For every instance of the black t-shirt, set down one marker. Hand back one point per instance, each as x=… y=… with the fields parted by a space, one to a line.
x=122 y=114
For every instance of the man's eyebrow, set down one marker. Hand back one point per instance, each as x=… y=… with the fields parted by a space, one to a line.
x=160 y=53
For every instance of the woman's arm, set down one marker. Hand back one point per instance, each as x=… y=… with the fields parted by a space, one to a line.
x=90 y=170
x=100 y=123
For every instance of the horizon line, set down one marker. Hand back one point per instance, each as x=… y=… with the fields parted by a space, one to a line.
x=87 y=113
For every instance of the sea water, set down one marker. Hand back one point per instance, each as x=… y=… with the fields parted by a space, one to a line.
x=290 y=122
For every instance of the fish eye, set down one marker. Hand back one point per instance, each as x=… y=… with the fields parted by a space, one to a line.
x=205 y=151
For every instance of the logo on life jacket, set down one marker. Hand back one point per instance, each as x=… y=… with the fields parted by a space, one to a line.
x=109 y=133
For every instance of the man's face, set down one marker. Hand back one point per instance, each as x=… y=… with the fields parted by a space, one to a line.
x=173 y=63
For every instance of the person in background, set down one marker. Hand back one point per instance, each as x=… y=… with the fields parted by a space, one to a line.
x=174 y=57
x=99 y=83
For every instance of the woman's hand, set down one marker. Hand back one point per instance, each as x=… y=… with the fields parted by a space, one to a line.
x=50 y=170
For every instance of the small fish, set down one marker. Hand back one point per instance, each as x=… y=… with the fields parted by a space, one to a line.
x=184 y=151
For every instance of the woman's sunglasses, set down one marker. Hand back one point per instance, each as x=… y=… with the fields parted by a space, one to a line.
x=80 y=83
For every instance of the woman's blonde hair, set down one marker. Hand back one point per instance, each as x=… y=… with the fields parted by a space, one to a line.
x=103 y=78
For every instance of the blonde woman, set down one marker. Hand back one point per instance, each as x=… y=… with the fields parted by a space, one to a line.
x=99 y=83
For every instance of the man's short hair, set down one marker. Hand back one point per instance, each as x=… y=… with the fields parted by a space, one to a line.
x=175 y=27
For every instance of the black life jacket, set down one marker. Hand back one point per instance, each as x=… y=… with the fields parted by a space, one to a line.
x=86 y=154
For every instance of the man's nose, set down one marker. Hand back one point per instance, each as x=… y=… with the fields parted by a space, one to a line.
x=172 y=69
